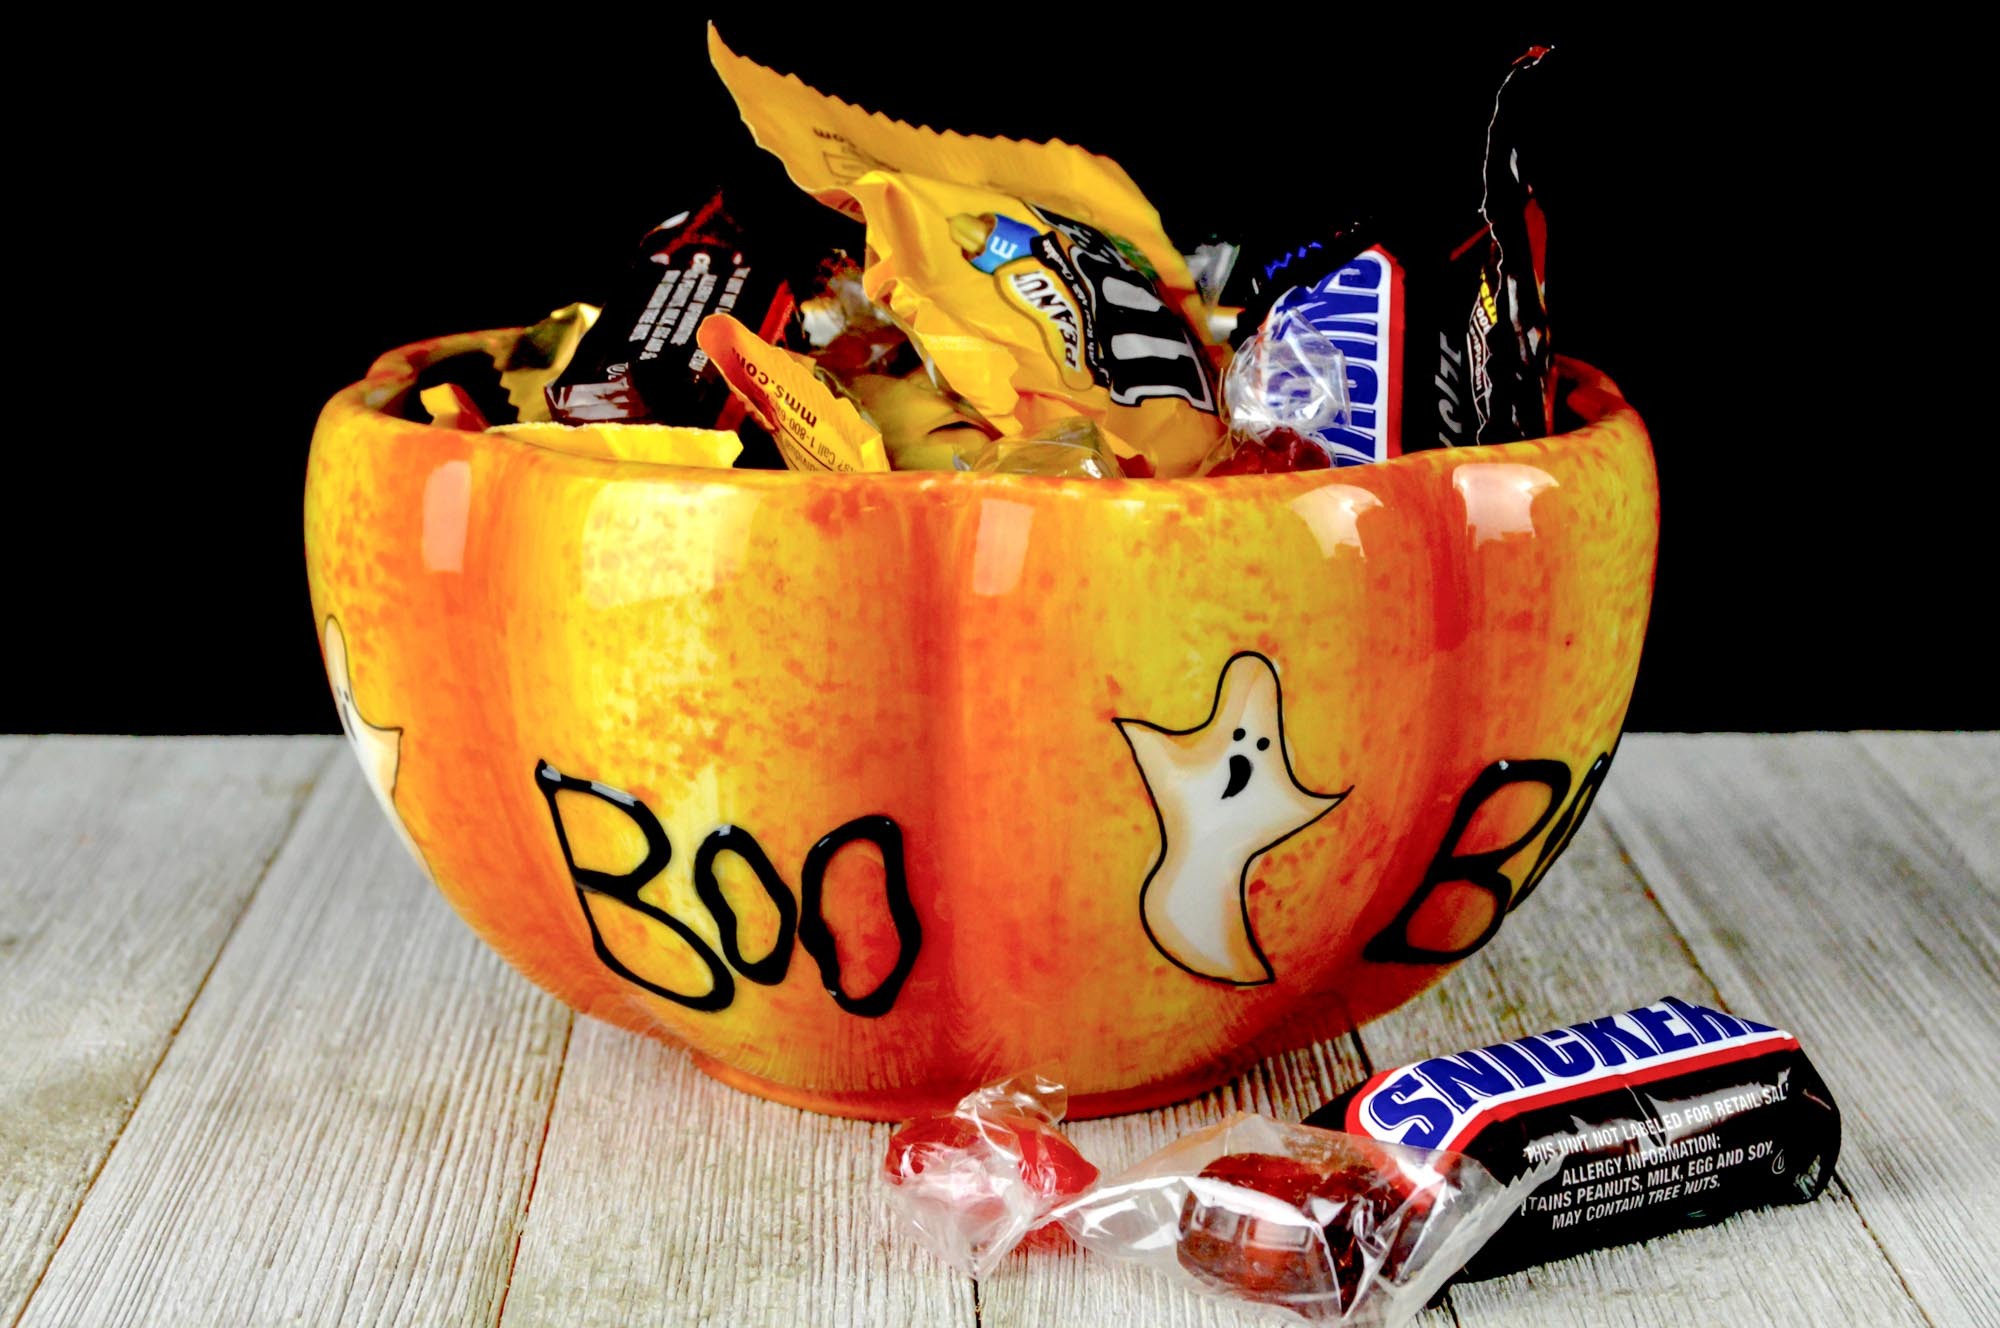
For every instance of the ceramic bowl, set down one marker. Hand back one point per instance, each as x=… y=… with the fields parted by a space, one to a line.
x=868 y=789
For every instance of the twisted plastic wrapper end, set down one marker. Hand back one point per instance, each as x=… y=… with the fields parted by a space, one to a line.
x=972 y=1183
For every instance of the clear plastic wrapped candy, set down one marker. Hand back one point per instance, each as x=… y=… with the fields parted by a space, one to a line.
x=1071 y=447
x=1286 y=392
x=971 y=1183
x=1335 y=1227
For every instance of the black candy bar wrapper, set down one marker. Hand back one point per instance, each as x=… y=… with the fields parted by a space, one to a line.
x=1669 y=1116
x=739 y=253
x=1445 y=329
x=1509 y=368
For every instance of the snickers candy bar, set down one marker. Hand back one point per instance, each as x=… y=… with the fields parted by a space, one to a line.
x=1668 y=1116
x=1443 y=319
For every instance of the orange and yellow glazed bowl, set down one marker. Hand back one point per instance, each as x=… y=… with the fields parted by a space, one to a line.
x=868 y=789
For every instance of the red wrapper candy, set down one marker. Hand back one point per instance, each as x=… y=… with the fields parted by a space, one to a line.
x=972 y=1183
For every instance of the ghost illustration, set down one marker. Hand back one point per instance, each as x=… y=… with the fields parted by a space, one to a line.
x=1224 y=794
x=379 y=749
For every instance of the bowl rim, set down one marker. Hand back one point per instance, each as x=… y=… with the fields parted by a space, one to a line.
x=1607 y=420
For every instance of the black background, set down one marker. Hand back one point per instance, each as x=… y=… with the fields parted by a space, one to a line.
x=1761 y=234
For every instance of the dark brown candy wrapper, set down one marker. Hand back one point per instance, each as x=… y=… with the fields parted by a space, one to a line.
x=1444 y=326
x=1510 y=371
x=739 y=253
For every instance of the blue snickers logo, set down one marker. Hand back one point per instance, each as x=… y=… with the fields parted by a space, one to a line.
x=1431 y=1104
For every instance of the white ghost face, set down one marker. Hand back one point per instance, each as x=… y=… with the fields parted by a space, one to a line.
x=1225 y=794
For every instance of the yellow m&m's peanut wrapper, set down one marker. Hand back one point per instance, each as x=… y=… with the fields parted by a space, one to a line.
x=1034 y=278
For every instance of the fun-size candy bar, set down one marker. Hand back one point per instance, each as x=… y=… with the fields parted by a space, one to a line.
x=1668 y=1116
x=1034 y=278
x=1442 y=319
x=1510 y=369
x=734 y=254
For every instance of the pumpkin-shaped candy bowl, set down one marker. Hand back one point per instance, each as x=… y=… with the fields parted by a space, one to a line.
x=871 y=788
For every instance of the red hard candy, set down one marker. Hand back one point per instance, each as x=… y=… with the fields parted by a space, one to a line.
x=1358 y=1208
x=1049 y=1164
x=1278 y=452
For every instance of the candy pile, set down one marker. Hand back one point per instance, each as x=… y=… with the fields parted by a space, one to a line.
x=1486 y=1161
x=931 y=301
x=1335 y=1227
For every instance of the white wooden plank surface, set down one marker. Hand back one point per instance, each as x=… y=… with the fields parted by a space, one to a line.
x=1591 y=943
x=349 y=1125
x=15 y=748
x=345 y=1128
x=666 y=1198
x=1815 y=898
x=1954 y=780
x=123 y=867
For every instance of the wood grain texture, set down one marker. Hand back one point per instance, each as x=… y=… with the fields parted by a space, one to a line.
x=1816 y=899
x=1591 y=943
x=1048 y=1281
x=15 y=748
x=1954 y=781
x=123 y=866
x=349 y=1125
x=666 y=1198
x=345 y=1128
